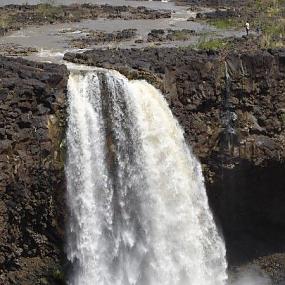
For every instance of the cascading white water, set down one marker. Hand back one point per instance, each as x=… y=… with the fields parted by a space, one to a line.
x=139 y=213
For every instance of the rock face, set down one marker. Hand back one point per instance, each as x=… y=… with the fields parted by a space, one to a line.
x=32 y=112
x=232 y=108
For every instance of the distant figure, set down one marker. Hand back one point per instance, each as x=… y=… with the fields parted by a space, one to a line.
x=247 y=28
x=258 y=30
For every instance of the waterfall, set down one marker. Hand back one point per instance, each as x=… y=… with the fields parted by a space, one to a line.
x=139 y=213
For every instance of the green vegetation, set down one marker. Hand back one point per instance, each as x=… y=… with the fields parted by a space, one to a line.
x=270 y=7
x=5 y=21
x=271 y=22
x=273 y=34
x=59 y=276
x=275 y=7
x=212 y=44
x=267 y=15
x=225 y=23
x=181 y=35
x=48 y=11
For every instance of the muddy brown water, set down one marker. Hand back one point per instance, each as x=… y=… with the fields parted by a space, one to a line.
x=150 y=4
x=52 y=44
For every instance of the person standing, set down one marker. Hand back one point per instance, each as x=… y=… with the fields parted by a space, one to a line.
x=247 y=27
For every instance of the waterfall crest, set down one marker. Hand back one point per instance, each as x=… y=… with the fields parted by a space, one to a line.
x=139 y=213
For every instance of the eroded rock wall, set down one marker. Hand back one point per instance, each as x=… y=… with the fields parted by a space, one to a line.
x=32 y=123
x=248 y=193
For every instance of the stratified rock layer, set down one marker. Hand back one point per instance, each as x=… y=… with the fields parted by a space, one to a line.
x=32 y=119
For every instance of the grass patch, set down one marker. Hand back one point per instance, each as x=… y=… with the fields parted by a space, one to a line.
x=48 y=11
x=181 y=35
x=273 y=34
x=5 y=21
x=212 y=44
x=224 y=23
x=275 y=29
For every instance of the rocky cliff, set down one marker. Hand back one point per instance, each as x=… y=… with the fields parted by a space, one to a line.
x=232 y=108
x=32 y=121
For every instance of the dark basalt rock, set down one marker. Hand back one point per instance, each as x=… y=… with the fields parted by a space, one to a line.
x=15 y=50
x=218 y=14
x=32 y=119
x=169 y=35
x=98 y=37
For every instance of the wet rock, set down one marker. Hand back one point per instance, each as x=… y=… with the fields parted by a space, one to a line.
x=16 y=50
x=97 y=37
x=170 y=35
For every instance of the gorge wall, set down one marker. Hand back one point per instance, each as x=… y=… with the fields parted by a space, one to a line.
x=235 y=125
x=32 y=123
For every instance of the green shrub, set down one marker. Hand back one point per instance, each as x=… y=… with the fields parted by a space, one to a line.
x=59 y=276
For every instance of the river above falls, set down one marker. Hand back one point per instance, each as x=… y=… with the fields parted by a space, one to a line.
x=53 y=40
x=150 y=4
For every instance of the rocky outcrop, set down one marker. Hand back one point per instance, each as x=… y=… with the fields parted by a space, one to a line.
x=32 y=122
x=170 y=35
x=98 y=37
x=232 y=108
x=16 y=50
x=219 y=14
